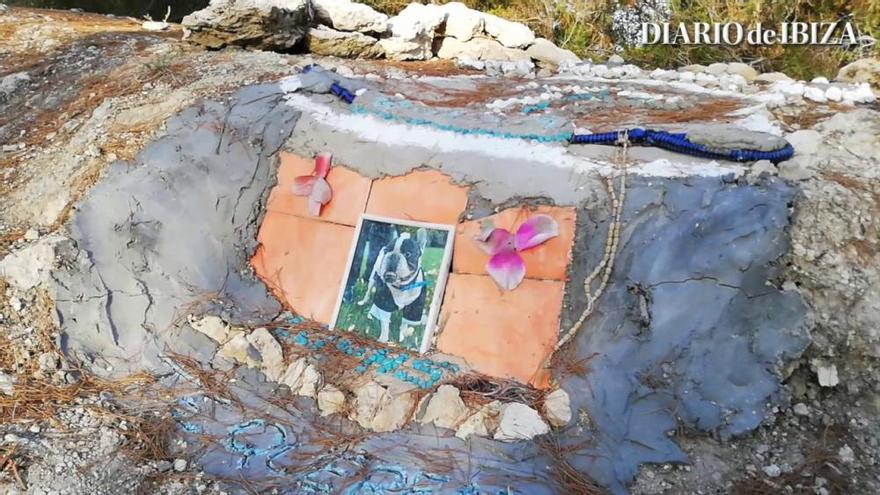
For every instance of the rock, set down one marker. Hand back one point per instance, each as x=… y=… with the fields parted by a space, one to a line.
x=801 y=409
x=412 y=32
x=545 y=51
x=846 y=454
x=264 y=24
x=7 y=383
x=302 y=378
x=11 y=83
x=345 y=15
x=717 y=68
x=695 y=68
x=557 y=408
x=508 y=33
x=3 y=8
x=815 y=94
x=772 y=77
x=865 y=70
x=519 y=422
x=271 y=355
x=805 y=141
x=615 y=60
x=482 y=423
x=820 y=80
x=48 y=361
x=508 y=67
x=16 y=304
x=180 y=465
x=213 y=327
x=331 y=400
x=462 y=22
x=311 y=382
x=378 y=410
x=772 y=470
x=478 y=49
x=29 y=267
x=31 y=235
x=827 y=375
x=834 y=94
x=761 y=167
x=328 y=42
x=239 y=349
x=445 y=408
x=799 y=167
x=746 y=71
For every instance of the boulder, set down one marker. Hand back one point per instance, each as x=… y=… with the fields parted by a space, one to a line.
x=412 y=32
x=519 y=422
x=772 y=77
x=462 y=22
x=866 y=70
x=717 y=68
x=328 y=42
x=263 y=24
x=331 y=400
x=557 y=408
x=745 y=70
x=508 y=33
x=345 y=15
x=29 y=267
x=445 y=408
x=270 y=351
x=482 y=423
x=239 y=349
x=545 y=51
x=376 y=409
x=478 y=49
x=213 y=327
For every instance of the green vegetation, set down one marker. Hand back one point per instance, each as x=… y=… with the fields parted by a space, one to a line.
x=585 y=27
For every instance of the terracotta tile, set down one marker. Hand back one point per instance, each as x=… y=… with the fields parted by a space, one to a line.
x=421 y=195
x=350 y=191
x=501 y=333
x=302 y=261
x=548 y=261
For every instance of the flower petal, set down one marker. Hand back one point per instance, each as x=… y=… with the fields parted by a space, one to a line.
x=322 y=164
x=536 y=230
x=321 y=192
x=499 y=240
x=302 y=185
x=507 y=269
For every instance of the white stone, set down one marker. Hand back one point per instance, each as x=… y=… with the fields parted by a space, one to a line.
x=331 y=400
x=376 y=409
x=815 y=94
x=557 y=408
x=687 y=76
x=412 y=32
x=772 y=77
x=846 y=454
x=799 y=167
x=508 y=33
x=240 y=350
x=311 y=382
x=801 y=409
x=478 y=49
x=772 y=470
x=866 y=70
x=462 y=22
x=805 y=141
x=519 y=422
x=271 y=355
x=445 y=408
x=180 y=465
x=717 y=68
x=293 y=375
x=827 y=375
x=345 y=15
x=212 y=326
x=834 y=94
x=7 y=383
x=760 y=168
x=616 y=60
x=746 y=71
x=820 y=80
x=331 y=43
x=29 y=267
x=544 y=50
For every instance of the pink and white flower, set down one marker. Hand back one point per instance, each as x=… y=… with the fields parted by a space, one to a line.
x=505 y=264
x=315 y=186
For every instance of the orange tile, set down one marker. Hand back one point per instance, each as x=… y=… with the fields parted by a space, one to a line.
x=302 y=260
x=350 y=191
x=421 y=195
x=505 y=334
x=549 y=260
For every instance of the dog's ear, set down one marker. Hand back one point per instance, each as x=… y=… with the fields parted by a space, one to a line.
x=422 y=237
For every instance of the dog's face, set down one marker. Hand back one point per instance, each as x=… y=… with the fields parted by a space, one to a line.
x=403 y=258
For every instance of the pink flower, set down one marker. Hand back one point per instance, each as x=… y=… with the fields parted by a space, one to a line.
x=506 y=266
x=315 y=186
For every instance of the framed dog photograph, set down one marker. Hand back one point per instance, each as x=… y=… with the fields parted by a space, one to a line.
x=394 y=282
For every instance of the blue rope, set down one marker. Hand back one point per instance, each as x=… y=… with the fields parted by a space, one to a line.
x=672 y=141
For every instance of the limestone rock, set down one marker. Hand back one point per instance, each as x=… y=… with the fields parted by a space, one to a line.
x=270 y=351
x=213 y=327
x=772 y=77
x=376 y=409
x=805 y=141
x=482 y=423
x=746 y=71
x=717 y=68
x=695 y=68
x=827 y=375
x=508 y=67
x=331 y=400
x=557 y=408
x=479 y=49
x=544 y=50
x=462 y=22
x=800 y=167
x=865 y=70
x=520 y=422
x=7 y=383
x=29 y=267
x=412 y=32
x=445 y=408
x=311 y=382
x=328 y=42
x=345 y=15
x=240 y=350
x=508 y=33
x=302 y=378
x=264 y=24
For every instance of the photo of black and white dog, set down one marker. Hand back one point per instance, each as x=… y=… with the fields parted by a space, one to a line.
x=397 y=283
x=394 y=282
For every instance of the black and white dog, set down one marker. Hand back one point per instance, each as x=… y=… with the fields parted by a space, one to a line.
x=397 y=283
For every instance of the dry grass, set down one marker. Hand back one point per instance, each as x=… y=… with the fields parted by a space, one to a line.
x=568 y=479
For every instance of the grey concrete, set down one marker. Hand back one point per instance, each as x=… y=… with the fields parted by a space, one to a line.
x=171 y=232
